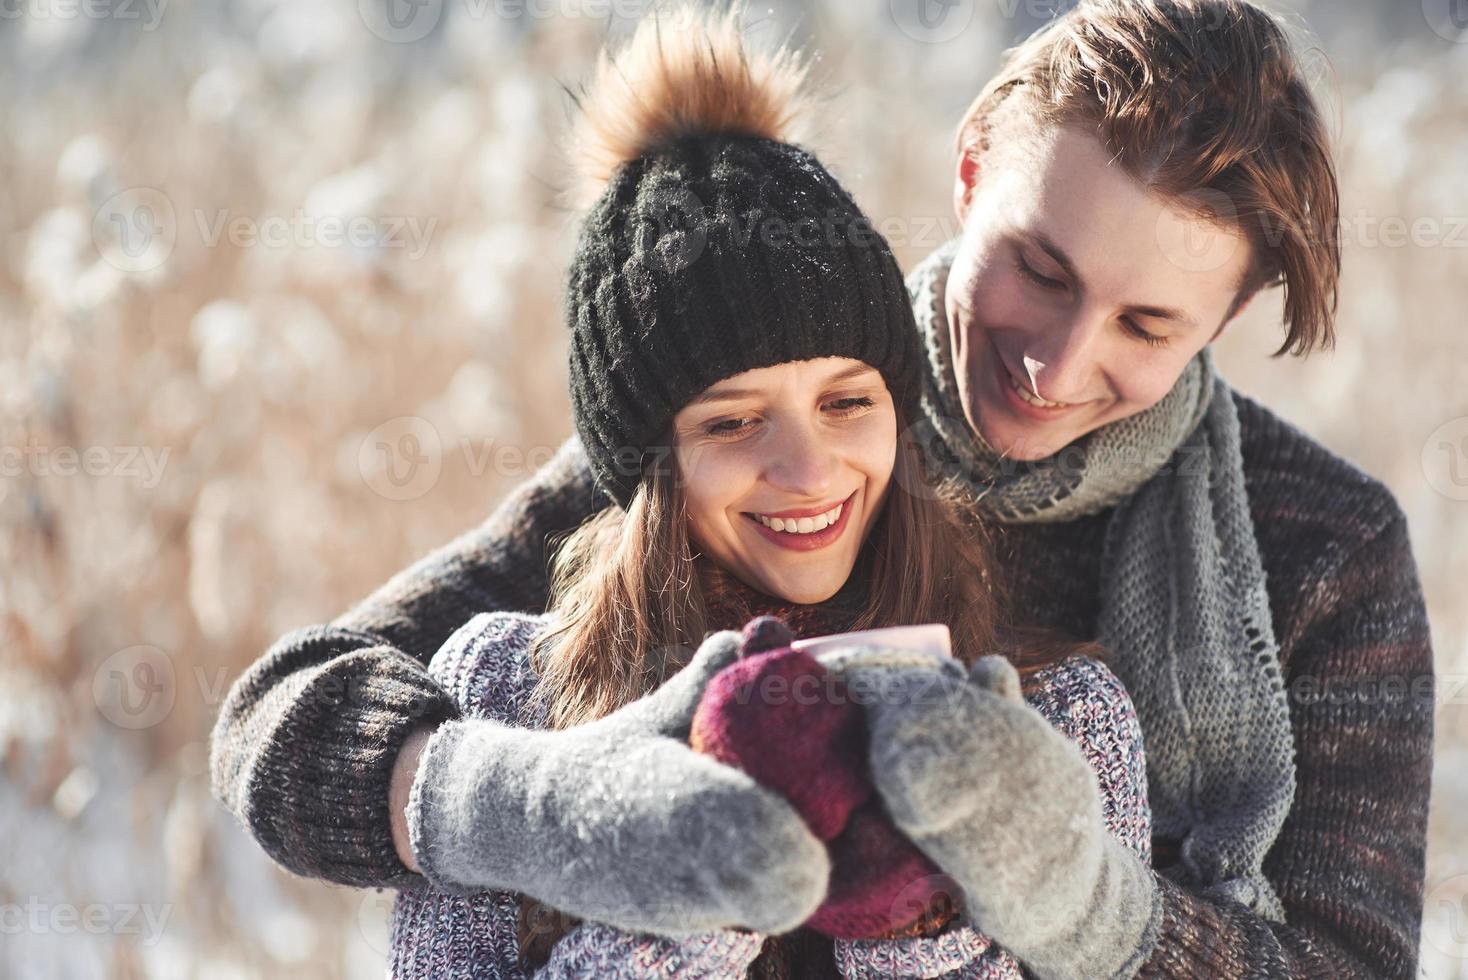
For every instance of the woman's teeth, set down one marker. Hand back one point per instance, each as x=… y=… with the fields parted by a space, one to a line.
x=802 y=525
x=1030 y=396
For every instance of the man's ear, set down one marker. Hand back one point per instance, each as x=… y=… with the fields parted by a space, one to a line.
x=965 y=180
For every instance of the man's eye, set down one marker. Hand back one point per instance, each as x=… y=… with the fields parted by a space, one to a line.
x=1150 y=339
x=1028 y=271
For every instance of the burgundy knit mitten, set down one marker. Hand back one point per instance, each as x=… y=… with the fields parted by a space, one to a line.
x=779 y=716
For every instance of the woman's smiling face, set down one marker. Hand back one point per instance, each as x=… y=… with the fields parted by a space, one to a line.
x=784 y=470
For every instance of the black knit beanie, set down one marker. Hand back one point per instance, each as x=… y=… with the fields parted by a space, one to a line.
x=711 y=257
x=713 y=254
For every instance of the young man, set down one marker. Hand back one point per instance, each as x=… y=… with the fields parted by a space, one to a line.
x=1133 y=177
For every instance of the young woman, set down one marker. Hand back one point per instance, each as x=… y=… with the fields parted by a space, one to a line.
x=744 y=363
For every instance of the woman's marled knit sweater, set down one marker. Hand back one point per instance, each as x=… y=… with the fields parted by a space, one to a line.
x=441 y=935
x=303 y=747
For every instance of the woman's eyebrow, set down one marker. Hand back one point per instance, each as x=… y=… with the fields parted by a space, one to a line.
x=732 y=394
x=724 y=395
x=852 y=371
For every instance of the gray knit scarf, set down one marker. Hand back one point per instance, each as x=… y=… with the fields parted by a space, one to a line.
x=1184 y=610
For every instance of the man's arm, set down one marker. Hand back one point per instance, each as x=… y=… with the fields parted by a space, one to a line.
x=1349 y=863
x=303 y=749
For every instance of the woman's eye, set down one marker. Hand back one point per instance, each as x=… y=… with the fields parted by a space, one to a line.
x=850 y=406
x=727 y=427
x=1028 y=271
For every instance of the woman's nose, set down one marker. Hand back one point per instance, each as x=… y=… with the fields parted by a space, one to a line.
x=801 y=463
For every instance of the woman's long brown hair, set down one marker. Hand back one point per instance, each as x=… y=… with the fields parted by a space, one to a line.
x=631 y=607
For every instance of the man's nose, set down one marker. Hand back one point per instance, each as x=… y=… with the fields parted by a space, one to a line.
x=1063 y=360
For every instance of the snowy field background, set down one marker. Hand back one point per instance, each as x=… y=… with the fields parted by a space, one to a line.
x=279 y=293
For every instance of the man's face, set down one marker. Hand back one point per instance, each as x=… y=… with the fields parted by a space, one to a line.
x=1078 y=287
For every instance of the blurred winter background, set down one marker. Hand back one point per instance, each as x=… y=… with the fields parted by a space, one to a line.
x=279 y=298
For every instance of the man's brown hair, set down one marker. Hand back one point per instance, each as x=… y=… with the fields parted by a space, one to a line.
x=1205 y=103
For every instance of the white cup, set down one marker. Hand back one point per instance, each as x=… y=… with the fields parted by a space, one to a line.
x=929 y=638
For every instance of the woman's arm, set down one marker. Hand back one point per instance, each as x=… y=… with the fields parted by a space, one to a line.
x=305 y=743
x=615 y=820
x=438 y=934
x=593 y=949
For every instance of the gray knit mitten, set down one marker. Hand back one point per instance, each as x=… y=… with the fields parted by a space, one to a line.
x=617 y=820
x=1007 y=806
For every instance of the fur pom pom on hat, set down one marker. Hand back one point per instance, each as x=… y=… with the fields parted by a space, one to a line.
x=712 y=247
x=684 y=74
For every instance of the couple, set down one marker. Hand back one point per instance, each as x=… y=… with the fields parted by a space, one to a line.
x=1066 y=406
x=743 y=400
